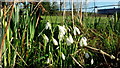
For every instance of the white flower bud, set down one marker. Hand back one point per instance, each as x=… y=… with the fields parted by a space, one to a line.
x=92 y=61
x=48 y=26
x=76 y=30
x=55 y=41
x=62 y=31
x=48 y=61
x=63 y=56
x=69 y=40
x=83 y=41
x=45 y=38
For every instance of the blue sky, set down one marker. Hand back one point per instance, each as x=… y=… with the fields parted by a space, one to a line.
x=88 y=0
x=97 y=3
x=91 y=4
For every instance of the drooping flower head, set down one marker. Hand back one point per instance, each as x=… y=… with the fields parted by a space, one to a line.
x=69 y=40
x=45 y=38
x=63 y=56
x=62 y=31
x=48 y=26
x=92 y=61
x=55 y=41
x=76 y=30
x=83 y=41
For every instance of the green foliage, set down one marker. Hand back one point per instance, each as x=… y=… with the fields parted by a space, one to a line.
x=32 y=43
x=50 y=7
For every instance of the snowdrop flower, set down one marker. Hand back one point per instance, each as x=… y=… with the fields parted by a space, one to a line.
x=92 y=61
x=45 y=38
x=55 y=41
x=87 y=55
x=69 y=40
x=48 y=26
x=63 y=56
x=83 y=41
x=48 y=60
x=76 y=30
x=62 y=31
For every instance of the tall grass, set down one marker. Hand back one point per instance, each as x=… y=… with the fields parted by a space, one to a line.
x=50 y=45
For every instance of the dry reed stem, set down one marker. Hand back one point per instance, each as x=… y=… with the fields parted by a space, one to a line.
x=102 y=52
x=2 y=44
x=64 y=12
x=76 y=62
x=37 y=20
x=80 y=13
x=36 y=7
x=72 y=13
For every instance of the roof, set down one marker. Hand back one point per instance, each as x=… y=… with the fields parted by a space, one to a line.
x=109 y=11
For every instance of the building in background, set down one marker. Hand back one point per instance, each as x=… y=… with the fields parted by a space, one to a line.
x=110 y=11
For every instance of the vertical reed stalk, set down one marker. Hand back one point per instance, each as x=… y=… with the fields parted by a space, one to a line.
x=80 y=13
x=64 y=13
x=3 y=40
x=72 y=13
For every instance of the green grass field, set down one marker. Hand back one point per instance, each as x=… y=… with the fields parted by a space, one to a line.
x=53 y=19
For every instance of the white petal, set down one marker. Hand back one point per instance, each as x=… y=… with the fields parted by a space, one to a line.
x=55 y=42
x=84 y=41
x=84 y=38
x=62 y=31
x=63 y=56
x=57 y=48
x=87 y=55
x=61 y=36
x=48 y=26
x=92 y=61
x=76 y=30
x=81 y=43
x=46 y=38
x=48 y=60
x=69 y=40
